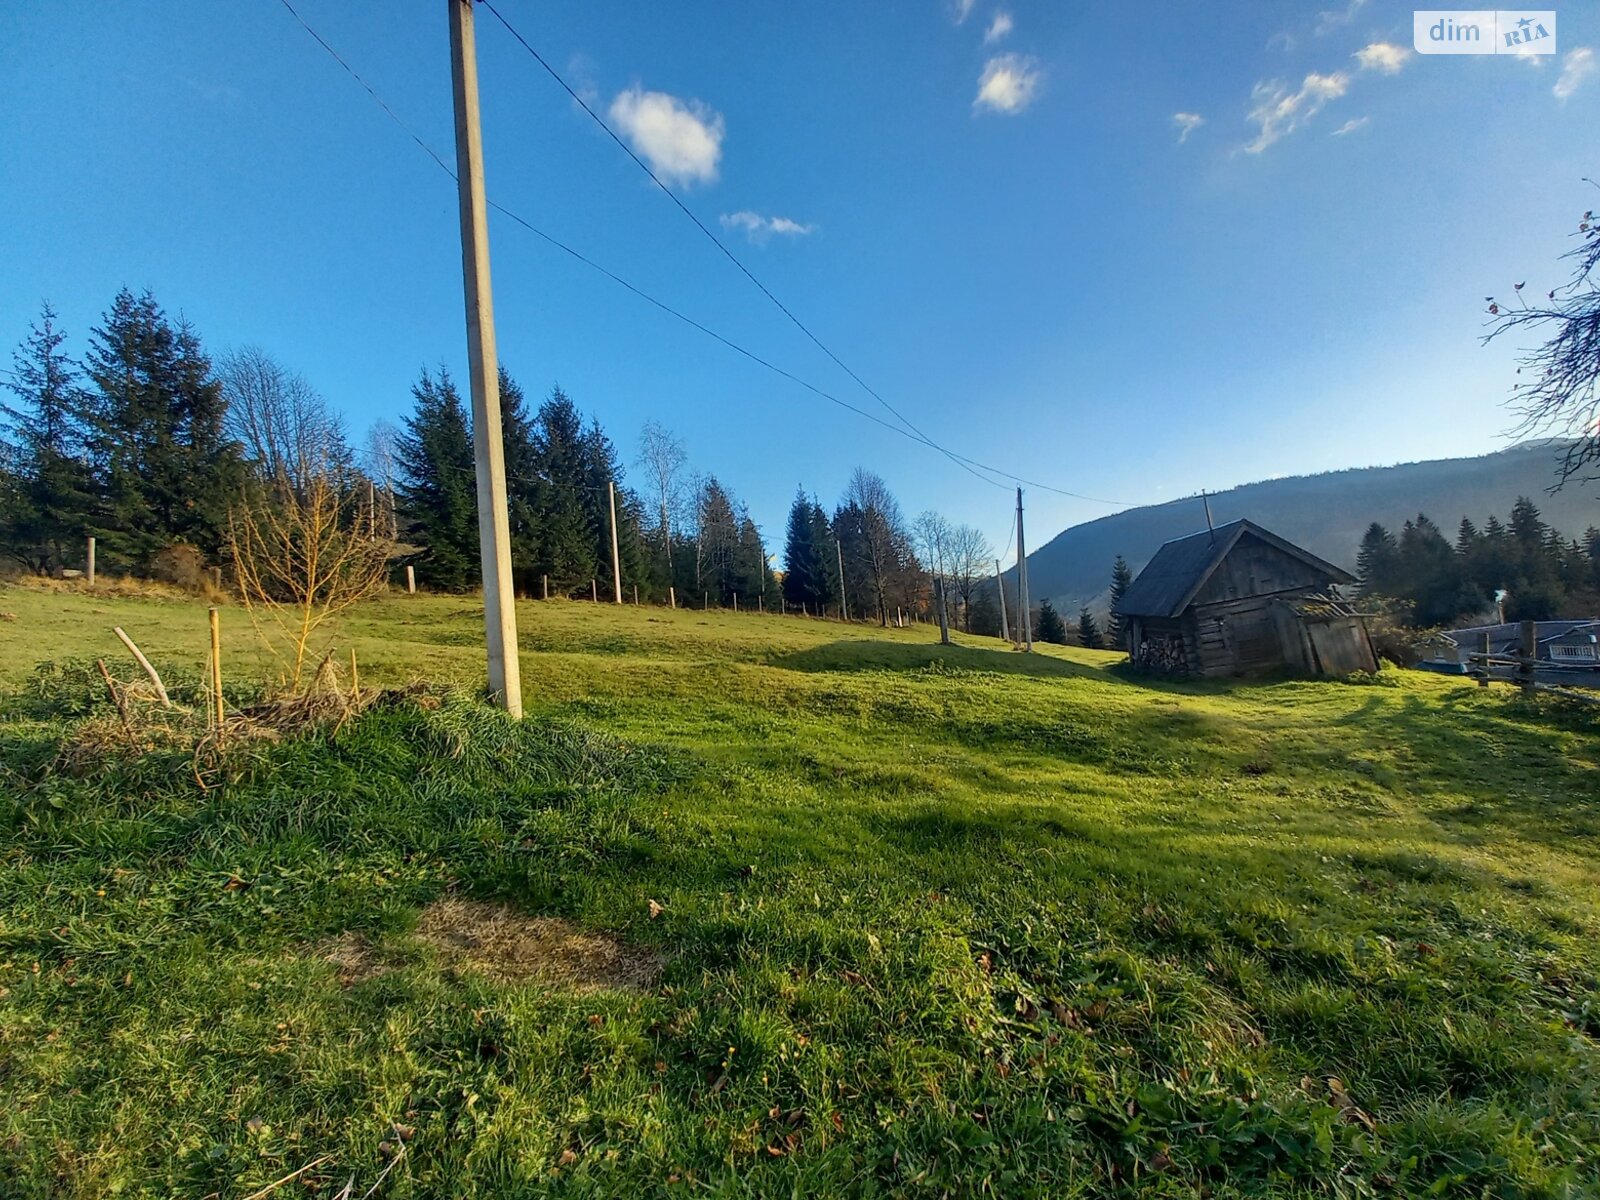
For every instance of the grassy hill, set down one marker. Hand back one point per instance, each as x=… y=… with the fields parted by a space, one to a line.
x=766 y=906
x=1327 y=514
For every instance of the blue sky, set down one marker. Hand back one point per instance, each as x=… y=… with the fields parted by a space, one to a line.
x=1130 y=250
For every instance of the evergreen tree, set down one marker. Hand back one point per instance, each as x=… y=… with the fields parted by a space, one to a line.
x=568 y=549
x=438 y=488
x=1121 y=577
x=1376 y=561
x=522 y=484
x=828 y=549
x=719 y=545
x=1050 y=627
x=804 y=578
x=1088 y=629
x=167 y=470
x=50 y=500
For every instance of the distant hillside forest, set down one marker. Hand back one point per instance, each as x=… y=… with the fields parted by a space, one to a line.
x=1524 y=564
x=162 y=455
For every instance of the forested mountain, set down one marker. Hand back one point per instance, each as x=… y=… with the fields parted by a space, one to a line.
x=1327 y=514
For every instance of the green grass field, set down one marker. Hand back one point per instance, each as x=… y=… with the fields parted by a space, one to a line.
x=933 y=922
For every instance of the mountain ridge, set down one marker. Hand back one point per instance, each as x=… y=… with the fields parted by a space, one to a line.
x=1326 y=513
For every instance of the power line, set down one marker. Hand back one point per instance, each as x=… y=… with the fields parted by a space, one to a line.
x=959 y=459
x=971 y=466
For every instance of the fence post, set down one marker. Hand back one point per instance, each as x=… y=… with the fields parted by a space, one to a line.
x=594 y=591
x=411 y=580
x=672 y=597
x=1530 y=652
x=736 y=602
x=216 y=668
x=90 y=571
x=636 y=595
x=544 y=586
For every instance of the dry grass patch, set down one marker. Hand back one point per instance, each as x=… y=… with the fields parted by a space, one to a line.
x=510 y=947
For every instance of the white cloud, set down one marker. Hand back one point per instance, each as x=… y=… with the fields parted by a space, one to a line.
x=963 y=10
x=1278 y=112
x=758 y=228
x=1336 y=18
x=681 y=140
x=1281 y=40
x=1382 y=56
x=999 y=27
x=1577 y=66
x=1187 y=123
x=1009 y=83
x=1351 y=126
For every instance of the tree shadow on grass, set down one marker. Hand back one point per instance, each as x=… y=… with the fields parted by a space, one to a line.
x=929 y=658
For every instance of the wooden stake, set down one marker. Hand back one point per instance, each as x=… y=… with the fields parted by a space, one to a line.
x=138 y=657
x=90 y=564
x=411 y=580
x=117 y=699
x=216 y=666
x=672 y=597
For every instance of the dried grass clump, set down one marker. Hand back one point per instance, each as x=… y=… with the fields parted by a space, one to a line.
x=123 y=586
x=510 y=947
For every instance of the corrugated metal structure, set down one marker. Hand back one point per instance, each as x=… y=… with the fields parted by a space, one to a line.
x=1239 y=599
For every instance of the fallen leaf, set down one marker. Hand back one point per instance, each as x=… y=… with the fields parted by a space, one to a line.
x=655 y=909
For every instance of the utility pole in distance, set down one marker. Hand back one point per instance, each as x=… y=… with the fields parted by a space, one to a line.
x=494 y=523
x=844 y=604
x=1026 y=616
x=616 y=560
x=1000 y=588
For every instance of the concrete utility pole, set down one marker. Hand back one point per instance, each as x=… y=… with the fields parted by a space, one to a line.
x=844 y=604
x=494 y=522
x=1026 y=616
x=1000 y=588
x=616 y=560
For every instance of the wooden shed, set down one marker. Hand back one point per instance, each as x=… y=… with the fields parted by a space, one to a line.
x=1239 y=599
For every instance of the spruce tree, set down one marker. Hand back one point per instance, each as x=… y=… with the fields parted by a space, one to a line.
x=1050 y=627
x=1088 y=629
x=568 y=548
x=49 y=491
x=1121 y=577
x=1376 y=560
x=522 y=484
x=438 y=489
x=804 y=579
x=828 y=550
x=168 y=472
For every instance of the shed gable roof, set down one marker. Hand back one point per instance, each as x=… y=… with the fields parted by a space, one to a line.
x=1170 y=580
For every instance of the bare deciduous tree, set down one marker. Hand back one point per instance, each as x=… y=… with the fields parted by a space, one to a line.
x=884 y=539
x=381 y=461
x=1558 y=392
x=302 y=556
x=969 y=555
x=663 y=458
x=285 y=427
